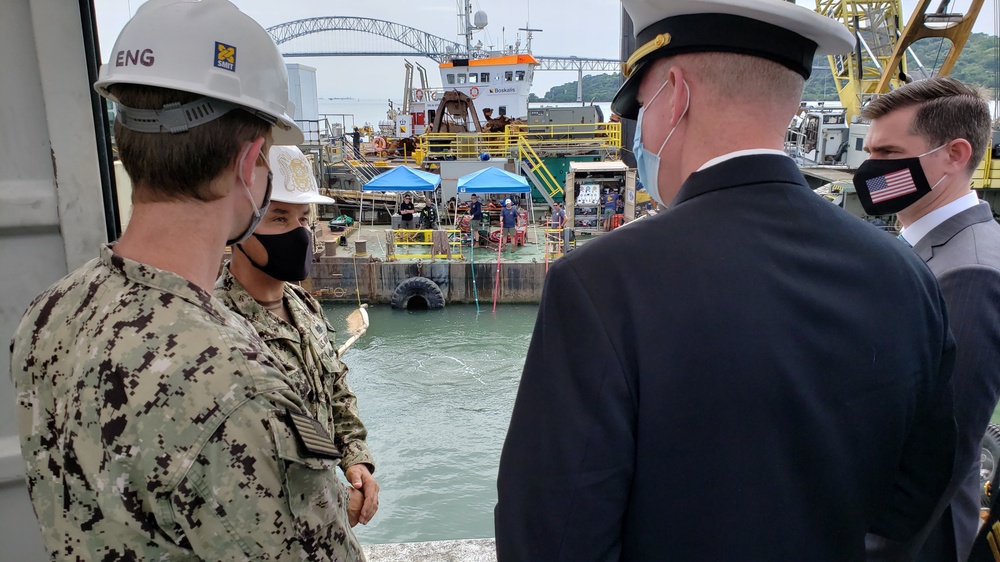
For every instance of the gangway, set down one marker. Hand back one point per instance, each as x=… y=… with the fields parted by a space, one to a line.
x=536 y=171
x=363 y=168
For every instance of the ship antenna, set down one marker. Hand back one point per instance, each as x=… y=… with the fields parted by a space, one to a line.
x=529 y=31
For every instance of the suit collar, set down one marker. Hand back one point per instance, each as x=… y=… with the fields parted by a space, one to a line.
x=949 y=228
x=740 y=171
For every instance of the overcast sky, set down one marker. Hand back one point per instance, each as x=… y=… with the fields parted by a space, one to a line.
x=584 y=28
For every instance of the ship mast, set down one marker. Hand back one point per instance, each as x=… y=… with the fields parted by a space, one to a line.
x=465 y=27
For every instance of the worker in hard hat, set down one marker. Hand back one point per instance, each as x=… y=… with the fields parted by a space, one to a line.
x=261 y=285
x=508 y=221
x=154 y=423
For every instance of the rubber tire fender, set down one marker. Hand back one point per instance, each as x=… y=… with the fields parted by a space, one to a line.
x=417 y=287
x=989 y=460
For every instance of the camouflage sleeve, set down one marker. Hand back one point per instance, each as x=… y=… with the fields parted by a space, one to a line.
x=349 y=432
x=251 y=493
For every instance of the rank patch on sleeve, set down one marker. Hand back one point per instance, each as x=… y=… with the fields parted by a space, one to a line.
x=313 y=437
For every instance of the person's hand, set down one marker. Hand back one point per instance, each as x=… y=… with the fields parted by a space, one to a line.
x=361 y=478
x=354 y=504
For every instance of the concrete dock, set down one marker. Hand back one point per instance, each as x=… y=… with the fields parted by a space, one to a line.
x=472 y=550
x=367 y=272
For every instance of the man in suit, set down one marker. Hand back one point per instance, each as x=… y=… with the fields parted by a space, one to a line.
x=735 y=378
x=939 y=129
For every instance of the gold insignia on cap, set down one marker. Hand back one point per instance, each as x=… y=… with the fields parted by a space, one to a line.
x=313 y=437
x=299 y=178
x=658 y=42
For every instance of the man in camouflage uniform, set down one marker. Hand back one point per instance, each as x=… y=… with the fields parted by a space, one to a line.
x=154 y=422
x=260 y=285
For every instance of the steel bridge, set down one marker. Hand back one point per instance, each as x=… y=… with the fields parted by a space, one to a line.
x=335 y=36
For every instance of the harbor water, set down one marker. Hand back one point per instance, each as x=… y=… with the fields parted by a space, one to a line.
x=435 y=390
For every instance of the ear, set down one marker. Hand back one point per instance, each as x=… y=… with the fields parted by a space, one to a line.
x=959 y=152
x=678 y=93
x=247 y=163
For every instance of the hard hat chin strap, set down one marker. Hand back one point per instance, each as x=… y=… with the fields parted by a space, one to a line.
x=177 y=118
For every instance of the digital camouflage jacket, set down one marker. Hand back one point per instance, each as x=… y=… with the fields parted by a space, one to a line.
x=156 y=425
x=309 y=357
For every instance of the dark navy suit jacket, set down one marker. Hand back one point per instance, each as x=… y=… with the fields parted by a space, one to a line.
x=752 y=374
x=964 y=254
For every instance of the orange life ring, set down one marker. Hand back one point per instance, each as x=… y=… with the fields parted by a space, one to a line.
x=419 y=94
x=380 y=143
x=474 y=91
x=434 y=96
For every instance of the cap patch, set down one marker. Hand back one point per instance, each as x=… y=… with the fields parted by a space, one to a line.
x=225 y=56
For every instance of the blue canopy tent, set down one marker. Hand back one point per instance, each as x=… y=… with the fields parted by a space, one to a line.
x=401 y=178
x=494 y=180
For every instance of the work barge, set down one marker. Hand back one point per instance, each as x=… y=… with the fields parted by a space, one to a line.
x=379 y=263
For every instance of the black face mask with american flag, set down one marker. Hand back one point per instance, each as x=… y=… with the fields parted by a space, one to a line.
x=889 y=186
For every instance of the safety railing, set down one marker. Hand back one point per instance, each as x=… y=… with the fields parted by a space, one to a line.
x=537 y=170
x=463 y=146
x=603 y=136
x=553 y=244
x=421 y=244
x=567 y=136
x=987 y=174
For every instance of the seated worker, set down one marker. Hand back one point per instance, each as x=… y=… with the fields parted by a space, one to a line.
x=475 y=213
x=610 y=207
x=261 y=285
x=428 y=215
x=508 y=220
x=406 y=211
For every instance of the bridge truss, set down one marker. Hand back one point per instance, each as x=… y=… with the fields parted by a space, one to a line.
x=330 y=37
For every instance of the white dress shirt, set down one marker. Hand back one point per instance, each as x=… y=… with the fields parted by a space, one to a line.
x=922 y=226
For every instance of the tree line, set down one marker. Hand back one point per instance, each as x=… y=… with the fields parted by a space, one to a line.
x=978 y=65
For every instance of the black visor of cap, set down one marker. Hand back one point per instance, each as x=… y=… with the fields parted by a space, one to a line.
x=723 y=33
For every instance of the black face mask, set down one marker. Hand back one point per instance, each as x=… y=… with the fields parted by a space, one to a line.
x=289 y=255
x=889 y=186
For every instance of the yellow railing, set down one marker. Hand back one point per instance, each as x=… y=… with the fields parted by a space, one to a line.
x=555 y=137
x=605 y=136
x=523 y=142
x=423 y=242
x=553 y=244
x=464 y=146
x=987 y=174
x=537 y=166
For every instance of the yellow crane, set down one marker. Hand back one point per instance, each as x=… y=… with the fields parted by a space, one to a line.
x=822 y=135
x=878 y=62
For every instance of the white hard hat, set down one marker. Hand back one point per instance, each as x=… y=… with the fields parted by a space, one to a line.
x=203 y=47
x=507 y=202
x=293 y=178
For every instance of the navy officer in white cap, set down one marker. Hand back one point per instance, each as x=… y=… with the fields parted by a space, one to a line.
x=752 y=374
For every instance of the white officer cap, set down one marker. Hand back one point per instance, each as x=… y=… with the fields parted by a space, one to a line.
x=776 y=30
